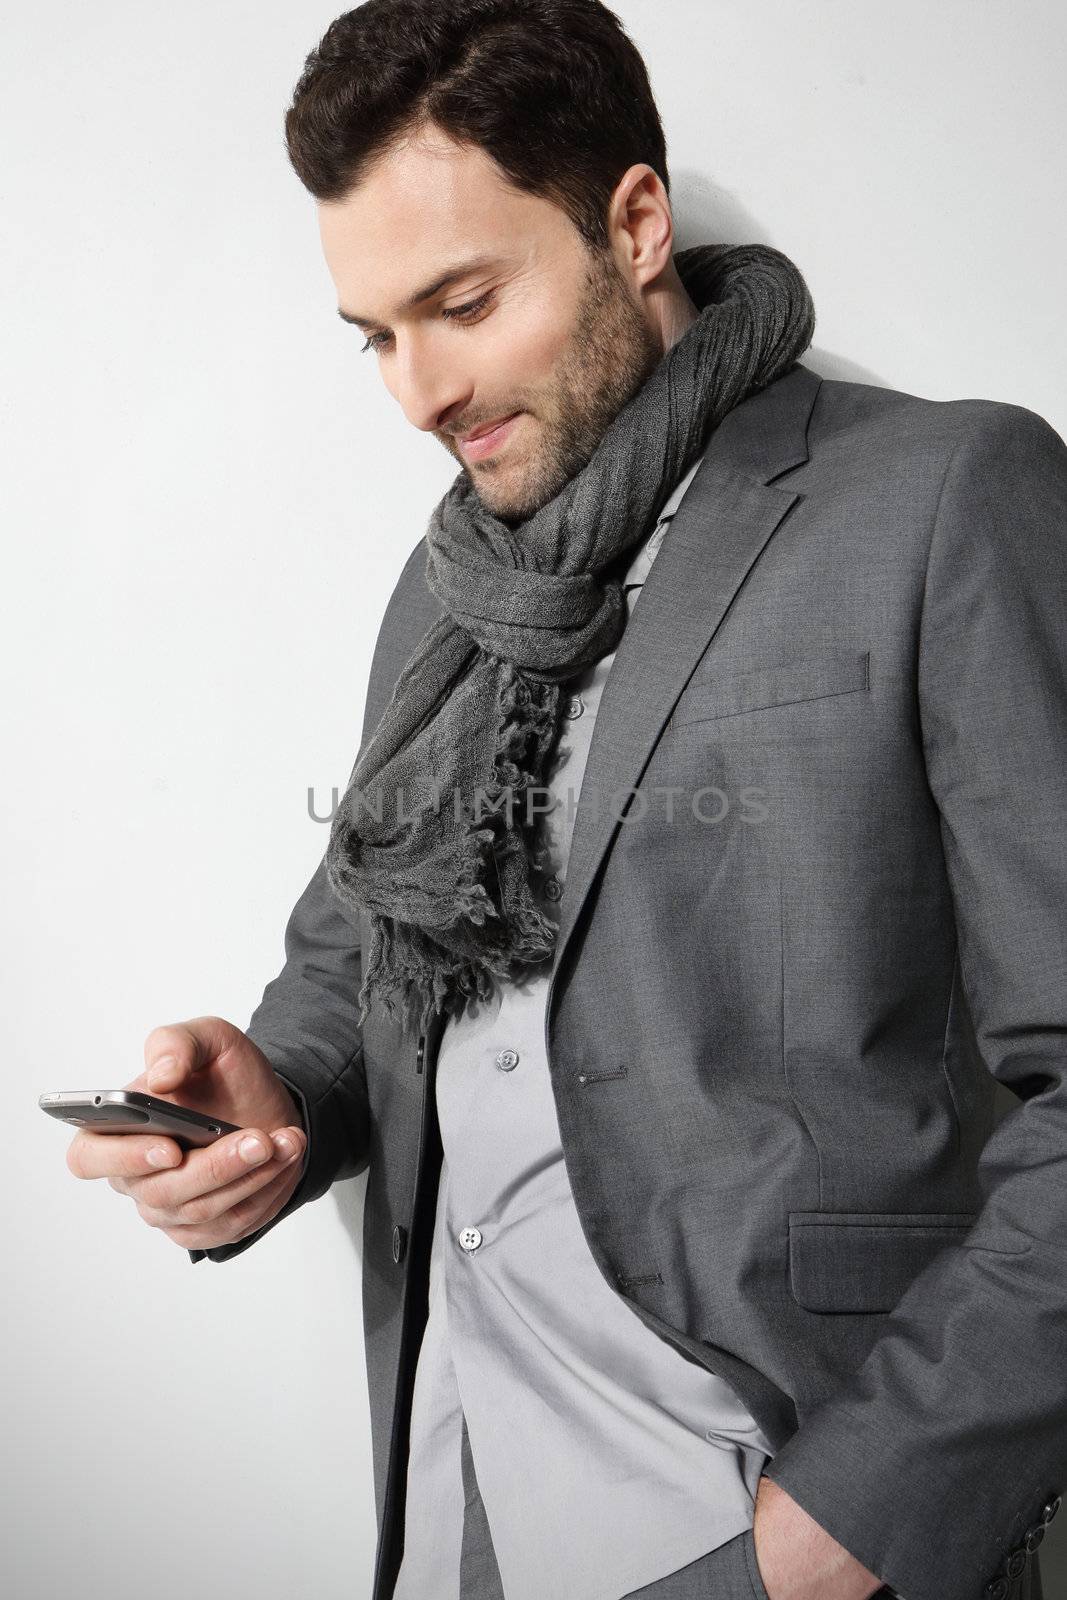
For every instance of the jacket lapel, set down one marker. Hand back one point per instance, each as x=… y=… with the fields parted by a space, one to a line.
x=725 y=519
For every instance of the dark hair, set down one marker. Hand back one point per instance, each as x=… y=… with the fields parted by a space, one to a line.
x=553 y=90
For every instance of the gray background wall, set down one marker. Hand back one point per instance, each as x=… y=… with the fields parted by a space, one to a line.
x=208 y=499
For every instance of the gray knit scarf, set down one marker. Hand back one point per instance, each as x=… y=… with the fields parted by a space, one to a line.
x=435 y=837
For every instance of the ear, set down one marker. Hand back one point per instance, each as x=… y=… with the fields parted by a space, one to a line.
x=641 y=225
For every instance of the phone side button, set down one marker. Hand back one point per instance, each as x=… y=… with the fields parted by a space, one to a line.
x=400 y=1243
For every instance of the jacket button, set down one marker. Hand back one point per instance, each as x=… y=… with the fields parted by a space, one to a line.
x=1034 y=1537
x=1015 y=1565
x=400 y=1239
x=1051 y=1509
x=998 y=1589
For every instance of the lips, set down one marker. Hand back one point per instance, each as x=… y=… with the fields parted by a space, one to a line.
x=490 y=427
x=484 y=440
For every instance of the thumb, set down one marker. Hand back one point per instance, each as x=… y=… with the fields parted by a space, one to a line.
x=174 y=1053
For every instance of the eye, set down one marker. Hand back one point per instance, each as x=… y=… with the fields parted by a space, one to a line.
x=461 y=313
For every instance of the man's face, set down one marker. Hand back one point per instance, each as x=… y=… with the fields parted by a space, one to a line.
x=554 y=338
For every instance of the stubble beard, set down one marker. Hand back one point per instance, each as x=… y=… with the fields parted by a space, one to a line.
x=612 y=353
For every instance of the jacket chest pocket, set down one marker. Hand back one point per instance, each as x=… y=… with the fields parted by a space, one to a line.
x=865 y=1260
x=711 y=696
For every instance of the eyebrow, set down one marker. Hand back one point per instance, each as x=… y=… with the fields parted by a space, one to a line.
x=461 y=269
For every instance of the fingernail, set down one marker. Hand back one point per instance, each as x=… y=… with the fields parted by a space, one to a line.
x=283 y=1146
x=252 y=1151
x=159 y=1156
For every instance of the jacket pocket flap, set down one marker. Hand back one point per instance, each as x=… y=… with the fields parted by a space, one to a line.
x=709 y=696
x=865 y=1260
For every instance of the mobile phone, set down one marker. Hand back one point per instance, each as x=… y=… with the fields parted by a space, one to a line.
x=130 y=1111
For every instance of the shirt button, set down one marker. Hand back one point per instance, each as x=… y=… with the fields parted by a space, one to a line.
x=470 y=1239
x=507 y=1060
x=574 y=707
x=553 y=888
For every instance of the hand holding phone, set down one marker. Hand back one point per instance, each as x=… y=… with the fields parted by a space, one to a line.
x=222 y=1191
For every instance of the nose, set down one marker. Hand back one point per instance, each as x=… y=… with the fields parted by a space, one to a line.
x=429 y=389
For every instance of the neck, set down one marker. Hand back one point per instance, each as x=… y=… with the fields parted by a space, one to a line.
x=669 y=307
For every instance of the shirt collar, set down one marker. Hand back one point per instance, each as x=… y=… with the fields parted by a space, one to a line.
x=647 y=550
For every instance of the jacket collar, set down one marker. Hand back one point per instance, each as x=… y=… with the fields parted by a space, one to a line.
x=729 y=513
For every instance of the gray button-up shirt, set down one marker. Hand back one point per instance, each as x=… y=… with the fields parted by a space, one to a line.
x=604 y=1458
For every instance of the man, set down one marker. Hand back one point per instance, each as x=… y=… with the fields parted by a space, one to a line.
x=677 y=1112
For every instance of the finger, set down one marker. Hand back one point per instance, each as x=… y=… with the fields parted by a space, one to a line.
x=173 y=1052
x=236 y=1225
x=152 y=1154
x=211 y=1180
x=234 y=1214
x=119 y=1155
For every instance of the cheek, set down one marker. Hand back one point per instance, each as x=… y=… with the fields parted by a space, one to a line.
x=532 y=344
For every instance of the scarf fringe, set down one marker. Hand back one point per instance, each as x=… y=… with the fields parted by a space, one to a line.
x=411 y=972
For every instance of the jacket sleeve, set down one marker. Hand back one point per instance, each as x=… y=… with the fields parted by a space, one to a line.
x=939 y=1461
x=306 y=1025
x=307 y=1021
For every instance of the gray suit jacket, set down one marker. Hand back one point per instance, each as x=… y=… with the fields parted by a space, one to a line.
x=851 y=656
